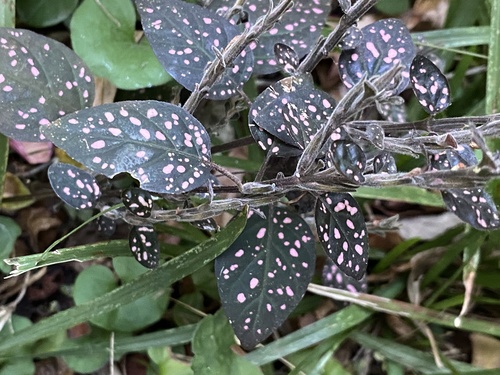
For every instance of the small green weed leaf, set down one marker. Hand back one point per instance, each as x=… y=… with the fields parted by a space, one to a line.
x=299 y=28
x=44 y=13
x=264 y=274
x=40 y=81
x=73 y=185
x=350 y=160
x=212 y=349
x=127 y=268
x=138 y=201
x=167 y=362
x=144 y=245
x=429 y=85
x=9 y=231
x=87 y=364
x=103 y=34
x=342 y=231
x=292 y=111
x=18 y=366
x=160 y=144
x=98 y=280
x=385 y=44
x=183 y=315
x=147 y=284
x=184 y=37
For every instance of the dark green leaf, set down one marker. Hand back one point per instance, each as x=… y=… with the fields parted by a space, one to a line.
x=40 y=81
x=160 y=144
x=73 y=185
x=44 y=13
x=9 y=231
x=342 y=232
x=264 y=274
x=212 y=348
x=184 y=36
x=98 y=280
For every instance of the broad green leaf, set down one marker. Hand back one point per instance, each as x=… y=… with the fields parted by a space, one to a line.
x=409 y=194
x=9 y=231
x=40 y=81
x=148 y=283
x=97 y=280
x=88 y=364
x=168 y=363
x=103 y=35
x=44 y=13
x=16 y=366
x=212 y=349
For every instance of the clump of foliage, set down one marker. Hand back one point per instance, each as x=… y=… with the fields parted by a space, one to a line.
x=326 y=149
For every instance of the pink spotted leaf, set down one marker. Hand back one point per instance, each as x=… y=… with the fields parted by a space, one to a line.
x=161 y=145
x=286 y=57
x=349 y=159
x=384 y=162
x=264 y=274
x=138 y=201
x=429 y=85
x=185 y=36
x=73 y=185
x=40 y=81
x=291 y=111
x=299 y=28
x=144 y=246
x=384 y=44
x=333 y=277
x=106 y=226
x=342 y=231
x=351 y=39
x=473 y=206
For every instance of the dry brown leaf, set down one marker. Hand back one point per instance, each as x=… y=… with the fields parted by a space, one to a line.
x=41 y=225
x=431 y=11
x=485 y=351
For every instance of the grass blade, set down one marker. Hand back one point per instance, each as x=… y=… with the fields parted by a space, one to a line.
x=147 y=283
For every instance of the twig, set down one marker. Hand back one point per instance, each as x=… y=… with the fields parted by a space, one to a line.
x=324 y=46
x=232 y=51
